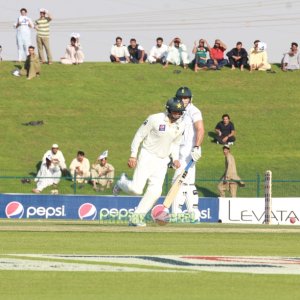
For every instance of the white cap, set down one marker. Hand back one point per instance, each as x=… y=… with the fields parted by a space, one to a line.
x=76 y=35
x=44 y=10
x=49 y=157
x=103 y=155
x=262 y=46
x=55 y=146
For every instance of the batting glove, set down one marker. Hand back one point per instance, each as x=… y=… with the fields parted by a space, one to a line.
x=196 y=153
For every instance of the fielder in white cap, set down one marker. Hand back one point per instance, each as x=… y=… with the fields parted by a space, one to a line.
x=102 y=173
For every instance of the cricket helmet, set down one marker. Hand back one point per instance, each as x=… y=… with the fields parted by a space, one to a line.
x=175 y=105
x=183 y=92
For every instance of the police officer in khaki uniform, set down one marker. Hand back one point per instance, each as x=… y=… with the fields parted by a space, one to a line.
x=102 y=173
x=230 y=180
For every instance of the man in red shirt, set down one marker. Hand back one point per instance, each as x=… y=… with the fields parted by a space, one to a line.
x=217 y=60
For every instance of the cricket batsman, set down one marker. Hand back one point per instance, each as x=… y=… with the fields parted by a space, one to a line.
x=159 y=136
x=190 y=148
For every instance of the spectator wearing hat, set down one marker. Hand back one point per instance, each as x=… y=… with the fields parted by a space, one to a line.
x=258 y=57
x=291 y=59
x=23 y=26
x=80 y=168
x=177 y=54
x=102 y=173
x=42 y=26
x=119 y=52
x=225 y=131
x=49 y=174
x=217 y=60
x=58 y=158
x=230 y=179
x=74 y=54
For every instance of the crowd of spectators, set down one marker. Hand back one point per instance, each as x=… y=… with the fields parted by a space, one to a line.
x=53 y=166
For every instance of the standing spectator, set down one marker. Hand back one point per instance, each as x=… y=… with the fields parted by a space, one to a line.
x=32 y=67
x=225 y=131
x=49 y=174
x=160 y=136
x=217 y=60
x=158 y=53
x=177 y=54
x=119 y=52
x=23 y=26
x=238 y=57
x=230 y=179
x=291 y=59
x=74 y=54
x=57 y=156
x=80 y=168
x=200 y=52
x=258 y=57
x=136 y=52
x=102 y=173
x=43 y=32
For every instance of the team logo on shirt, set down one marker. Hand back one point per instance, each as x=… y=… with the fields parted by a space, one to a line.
x=162 y=128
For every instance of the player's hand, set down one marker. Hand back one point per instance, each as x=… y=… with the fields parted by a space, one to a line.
x=132 y=162
x=196 y=153
x=176 y=164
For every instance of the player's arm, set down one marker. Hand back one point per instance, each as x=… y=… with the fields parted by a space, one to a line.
x=140 y=135
x=199 y=136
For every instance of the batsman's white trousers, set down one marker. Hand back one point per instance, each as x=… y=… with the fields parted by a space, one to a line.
x=151 y=169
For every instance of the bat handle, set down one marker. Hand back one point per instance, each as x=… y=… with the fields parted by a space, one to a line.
x=189 y=165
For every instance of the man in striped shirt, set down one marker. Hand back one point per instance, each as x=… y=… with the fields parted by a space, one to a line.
x=42 y=38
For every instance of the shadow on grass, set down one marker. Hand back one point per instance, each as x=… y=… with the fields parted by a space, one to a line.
x=206 y=192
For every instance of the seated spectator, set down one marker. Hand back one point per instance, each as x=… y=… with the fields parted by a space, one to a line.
x=291 y=59
x=102 y=173
x=177 y=54
x=49 y=174
x=258 y=57
x=32 y=67
x=74 y=54
x=57 y=158
x=217 y=60
x=200 y=52
x=238 y=57
x=80 y=166
x=119 y=52
x=158 y=53
x=136 y=52
x=225 y=131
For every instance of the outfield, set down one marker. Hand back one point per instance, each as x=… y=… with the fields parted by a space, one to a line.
x=98 y=106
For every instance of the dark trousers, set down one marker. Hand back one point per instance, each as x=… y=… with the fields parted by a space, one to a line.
x=238 y=63
x=221 y=63
x=230 y=139
x=136 y=59
x=113 y=59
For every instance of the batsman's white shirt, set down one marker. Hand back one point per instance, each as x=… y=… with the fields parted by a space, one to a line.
x=159 y=137
x=191 y=116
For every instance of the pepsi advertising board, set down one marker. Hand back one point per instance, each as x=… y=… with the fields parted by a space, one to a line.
x=74 y=207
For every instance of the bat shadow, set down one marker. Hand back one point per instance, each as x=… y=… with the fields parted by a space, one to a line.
x=206 y=192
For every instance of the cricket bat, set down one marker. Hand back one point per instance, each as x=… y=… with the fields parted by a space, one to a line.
x=176 y=186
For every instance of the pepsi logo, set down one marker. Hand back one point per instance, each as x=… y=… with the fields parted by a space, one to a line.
x=87 y=211
x=14 y=210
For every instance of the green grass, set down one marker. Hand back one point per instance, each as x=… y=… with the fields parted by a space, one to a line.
x=105 y=285
x=98 y=106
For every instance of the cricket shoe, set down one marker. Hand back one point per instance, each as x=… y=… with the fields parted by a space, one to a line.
x=140 y=224
x=117 y=189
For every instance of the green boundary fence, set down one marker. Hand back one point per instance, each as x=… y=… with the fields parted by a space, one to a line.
x=207 y=187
